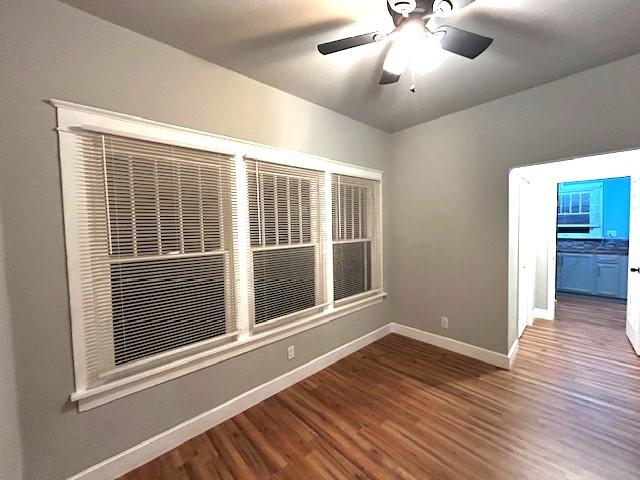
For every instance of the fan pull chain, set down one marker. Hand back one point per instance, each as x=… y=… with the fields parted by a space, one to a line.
x=413 y=80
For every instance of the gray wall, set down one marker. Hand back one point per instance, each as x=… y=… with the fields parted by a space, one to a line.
x=48 y=49
x=448 y=191
x=10 y=451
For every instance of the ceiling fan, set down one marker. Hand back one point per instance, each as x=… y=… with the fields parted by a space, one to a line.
x=414 y=38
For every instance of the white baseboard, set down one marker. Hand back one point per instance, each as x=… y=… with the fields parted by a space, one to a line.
x=500 y=360
x=542 y=314
x=513 y=351
x=148 y=450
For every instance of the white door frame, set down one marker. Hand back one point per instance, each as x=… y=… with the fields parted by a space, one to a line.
x=548 y=176
x=526 y=255
x=542 y=200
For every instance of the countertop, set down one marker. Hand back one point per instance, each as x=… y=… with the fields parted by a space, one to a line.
x=598 y=246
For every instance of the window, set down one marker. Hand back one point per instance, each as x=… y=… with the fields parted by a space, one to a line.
x=185 y=248
x=286 y=221
x=580 y=210
x=354 y=209
x=155 y=250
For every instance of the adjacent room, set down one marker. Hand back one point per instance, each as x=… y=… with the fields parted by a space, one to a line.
x=593 y=237
x=593 y=249
x=319 y=240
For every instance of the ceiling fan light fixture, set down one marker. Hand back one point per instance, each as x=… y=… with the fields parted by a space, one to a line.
x=406 y=44
x=411 y=31
x=397 y=60
x=429 y=55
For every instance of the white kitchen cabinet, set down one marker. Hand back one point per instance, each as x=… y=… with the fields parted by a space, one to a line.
x=607 y=275
x=593 y=274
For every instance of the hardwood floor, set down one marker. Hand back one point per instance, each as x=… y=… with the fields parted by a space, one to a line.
x=569 y=409
x=583 y=308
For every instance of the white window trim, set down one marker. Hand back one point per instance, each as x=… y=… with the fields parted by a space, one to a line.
x=595 y=228
x=73 y=117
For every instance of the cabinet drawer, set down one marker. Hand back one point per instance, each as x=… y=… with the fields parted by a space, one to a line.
x=607 y=259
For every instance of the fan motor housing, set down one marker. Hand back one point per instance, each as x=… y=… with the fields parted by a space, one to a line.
x=403 y=7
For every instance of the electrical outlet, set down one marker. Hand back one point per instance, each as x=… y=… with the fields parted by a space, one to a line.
x=444 y=322
x=291 y=352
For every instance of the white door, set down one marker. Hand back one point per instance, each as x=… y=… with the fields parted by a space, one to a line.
x=633 y=295
x=526 y=256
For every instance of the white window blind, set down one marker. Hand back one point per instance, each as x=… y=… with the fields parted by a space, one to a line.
x=286 y=220
x=155 y=234
x=356 y=236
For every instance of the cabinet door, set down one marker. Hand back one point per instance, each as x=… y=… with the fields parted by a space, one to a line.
x=607 y=275
x=560 y=271
x=623 y=270
x=577 y=273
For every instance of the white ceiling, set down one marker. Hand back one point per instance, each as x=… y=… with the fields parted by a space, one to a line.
x=274 y=41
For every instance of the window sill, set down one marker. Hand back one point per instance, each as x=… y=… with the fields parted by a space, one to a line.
x=95 y=397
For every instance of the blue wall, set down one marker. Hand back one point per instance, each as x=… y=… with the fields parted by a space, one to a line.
x=616 y=206
x=616 y=196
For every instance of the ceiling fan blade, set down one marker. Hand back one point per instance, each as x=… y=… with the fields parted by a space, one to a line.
x=388 y=78
x=345 y=43
x=463 y=43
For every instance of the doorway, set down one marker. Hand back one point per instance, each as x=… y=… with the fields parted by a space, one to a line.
x=592 y=241
x=562 y=245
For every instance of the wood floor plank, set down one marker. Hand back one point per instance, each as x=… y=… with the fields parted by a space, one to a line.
x=401 y=409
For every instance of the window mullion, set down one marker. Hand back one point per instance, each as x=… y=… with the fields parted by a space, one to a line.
x=242 y=245
x=328 y=243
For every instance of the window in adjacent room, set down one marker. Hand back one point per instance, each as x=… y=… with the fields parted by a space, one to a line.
x=580 y=210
